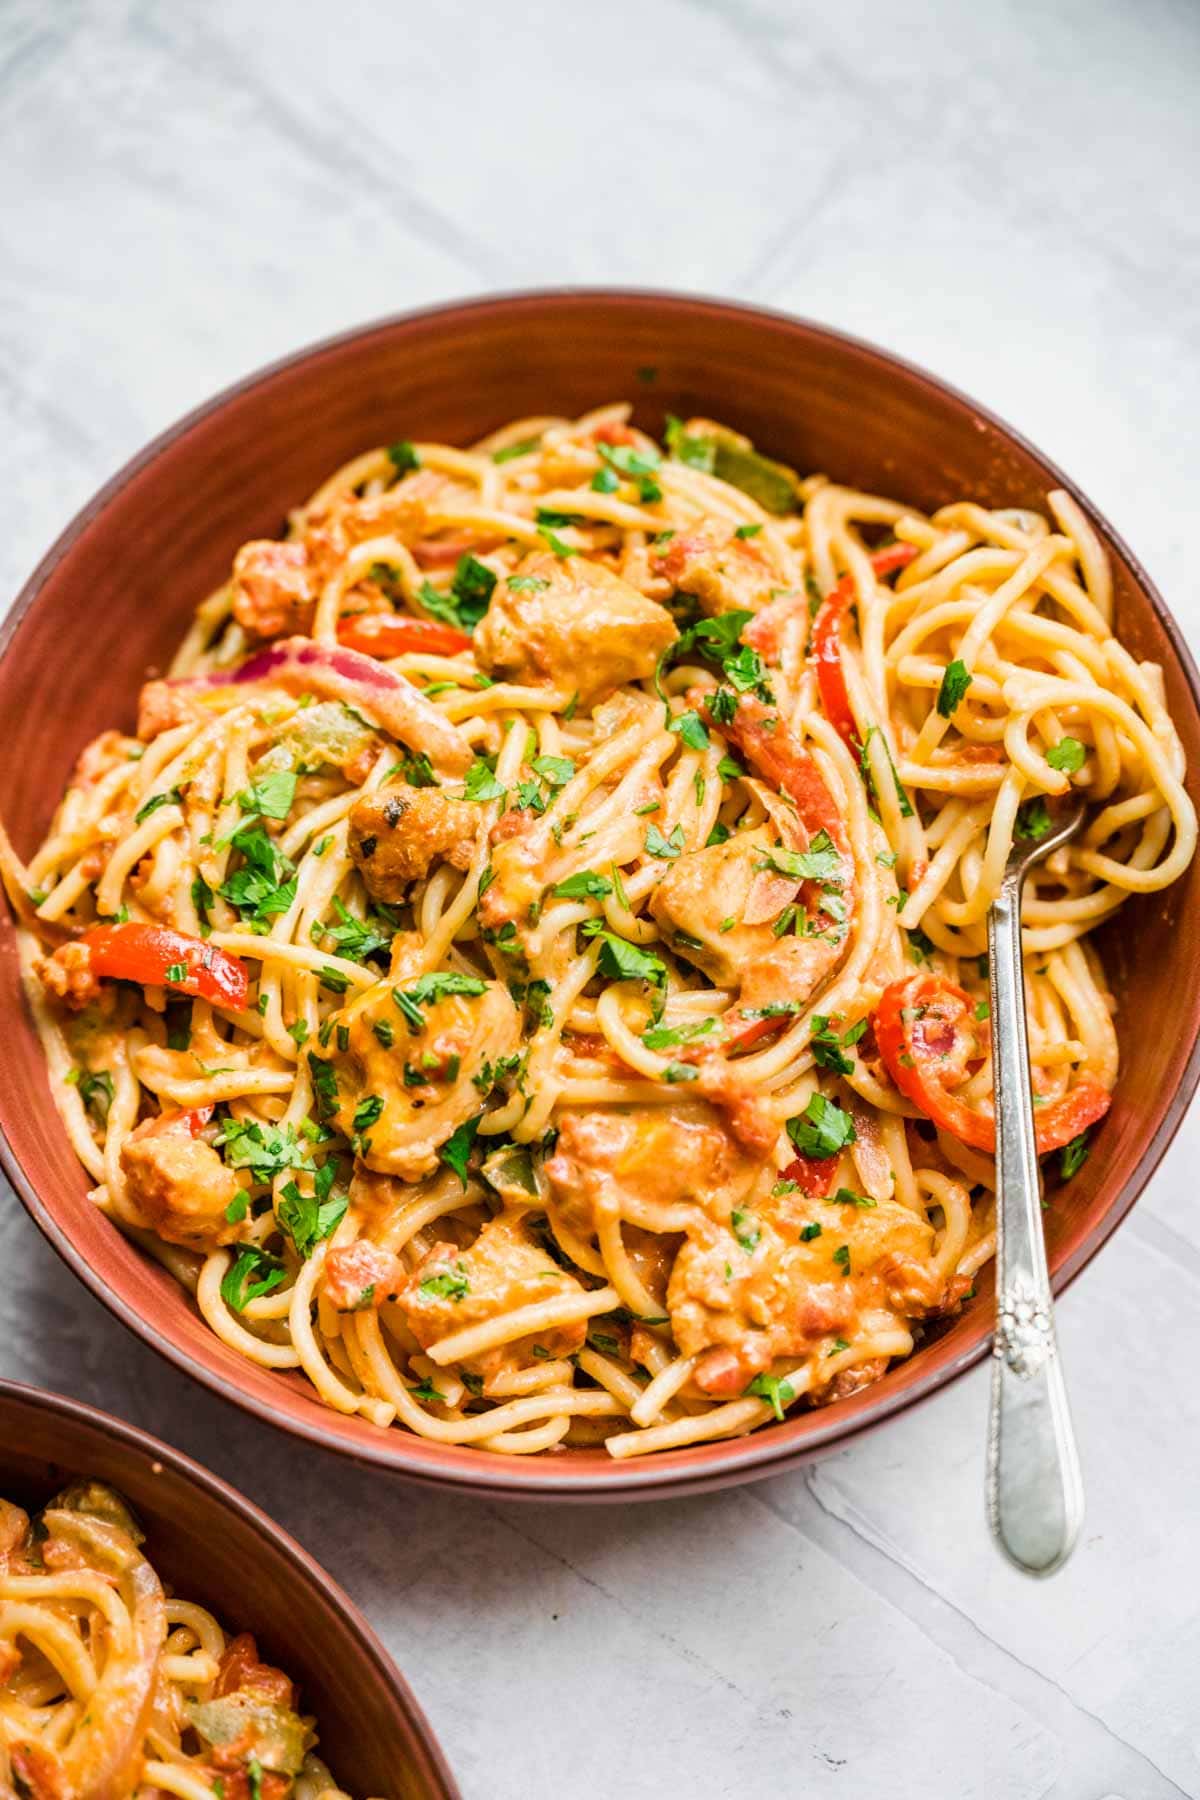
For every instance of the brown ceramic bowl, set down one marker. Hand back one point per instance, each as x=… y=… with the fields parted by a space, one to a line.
x=212 y=1546
x=112 y=598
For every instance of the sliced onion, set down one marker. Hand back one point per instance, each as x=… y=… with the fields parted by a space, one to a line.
x=338 y=673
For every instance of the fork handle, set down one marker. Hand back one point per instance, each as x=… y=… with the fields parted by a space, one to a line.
x=1034 y=1483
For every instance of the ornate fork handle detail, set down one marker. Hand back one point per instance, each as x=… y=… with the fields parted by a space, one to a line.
x=1024 y=1331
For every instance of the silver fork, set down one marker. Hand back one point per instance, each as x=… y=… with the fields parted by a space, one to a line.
x=1034 y=1484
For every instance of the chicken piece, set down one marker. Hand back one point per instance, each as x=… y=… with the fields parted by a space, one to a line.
x=239 y=1671
x=68 y=976
x=702 y=903
x=162 y=705
x=638 y=1158
x=782 y=1276
x=503 y=1269
x=573 y=624
x=849 y=1381
x=416 y=1068
x=177 y=1185
x=274 y=592
x=724 y=572
x=361 y=1275
x=705 y=890
x=397 y=834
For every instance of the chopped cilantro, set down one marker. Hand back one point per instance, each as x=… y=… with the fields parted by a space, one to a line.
x=1074 y=1155
x=253 y=1273
x=450 y=1284
x=172 y=797
x=404 y=457
x=955 y=683
x=584 y=885
x=456 y=1151
x=823 y=1129
x=776 y=1390
x=665 y=848
x=1067 y=756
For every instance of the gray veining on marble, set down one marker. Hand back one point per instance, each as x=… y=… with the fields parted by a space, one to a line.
x=1001 y=189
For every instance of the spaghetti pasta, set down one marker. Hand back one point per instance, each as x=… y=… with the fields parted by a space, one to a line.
x=528 y=971
x=111 y=1686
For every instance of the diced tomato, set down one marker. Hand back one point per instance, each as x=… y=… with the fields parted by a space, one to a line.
x=893 y=557
x=240 y=1671
x=613 y=433
x=812 y=1174
x=361 y=1275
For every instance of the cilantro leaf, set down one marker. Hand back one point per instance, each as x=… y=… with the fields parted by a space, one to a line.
x=823 y=1129
x=623 y=961
x=354 y=938
x=172 y=797
x=557 y=770
x=691 y=730
x=309 y=1218
x=1074 y=1155
x=1067 y=756
x=265 y=1149
x=455 y=1153
x=404 y=457
x=481 y=784
x=775 y=1389
x=820 y=862
x=253 y=1273
x=524 y=447
x=270 y=796
x=666 y=848
x=449 y=1284
x=955 y=683
x=585 y=885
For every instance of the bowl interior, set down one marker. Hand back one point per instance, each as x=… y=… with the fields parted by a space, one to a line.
x=220 y=1552
x=111 y=601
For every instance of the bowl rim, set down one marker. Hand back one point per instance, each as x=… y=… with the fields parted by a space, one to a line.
x=729 y=1461
x=307 y=1570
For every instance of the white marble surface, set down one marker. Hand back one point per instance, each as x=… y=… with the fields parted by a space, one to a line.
x=1002 y=189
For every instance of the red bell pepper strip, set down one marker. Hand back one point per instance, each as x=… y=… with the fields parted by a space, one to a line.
x=157 y=956
x=892 y=557
x=767 y=742
x=812 y=1174
x=749 y=1031
x=392 y=634
x=444 y=552
x=926 y=1031
x=827 y=658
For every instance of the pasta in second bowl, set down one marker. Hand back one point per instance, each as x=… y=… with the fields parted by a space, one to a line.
x=144 y=1607
x=548 y=899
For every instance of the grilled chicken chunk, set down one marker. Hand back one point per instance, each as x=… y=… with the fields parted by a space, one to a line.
x=451 y=1289
x=573 y=624
x=408 y=1075
x=176 y=1183
x=724 y=572
x=720 y=907
x=397 y=834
